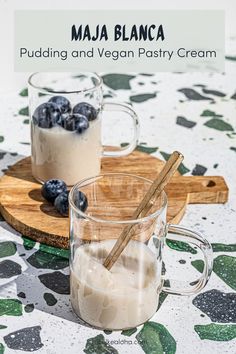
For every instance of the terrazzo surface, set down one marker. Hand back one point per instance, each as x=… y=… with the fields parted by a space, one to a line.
x=193 y=113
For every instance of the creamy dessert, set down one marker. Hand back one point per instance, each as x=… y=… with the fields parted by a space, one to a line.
x=65 y=141
x=121 y=298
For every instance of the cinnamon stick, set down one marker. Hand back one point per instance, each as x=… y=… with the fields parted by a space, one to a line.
x=146 y=204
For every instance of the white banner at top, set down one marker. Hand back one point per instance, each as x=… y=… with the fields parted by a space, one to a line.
x=119 y=41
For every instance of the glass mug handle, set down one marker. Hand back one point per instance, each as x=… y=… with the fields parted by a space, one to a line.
x=185 y=235
x=120 y=107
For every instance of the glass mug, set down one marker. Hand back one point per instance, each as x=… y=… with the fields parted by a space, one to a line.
x=66 y=133
x=127 y=295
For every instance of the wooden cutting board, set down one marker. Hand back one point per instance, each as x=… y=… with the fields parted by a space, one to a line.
x=23 y=207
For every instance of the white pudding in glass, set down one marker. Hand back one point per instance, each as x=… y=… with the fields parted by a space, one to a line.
x=121 y=298
x=67 y=155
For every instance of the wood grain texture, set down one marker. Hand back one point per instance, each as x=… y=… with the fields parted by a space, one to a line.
x=23 y=207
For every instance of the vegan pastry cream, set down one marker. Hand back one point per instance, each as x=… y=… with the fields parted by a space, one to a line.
x=65 y=141
x=64 y=154
x=120 y=298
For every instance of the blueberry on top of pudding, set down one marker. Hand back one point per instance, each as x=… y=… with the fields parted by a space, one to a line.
x=46 y=115
x=52 y=188
x=75 y=122
x=86 y=109
x=62 y=102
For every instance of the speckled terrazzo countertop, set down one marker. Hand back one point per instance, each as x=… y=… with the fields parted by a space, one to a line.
x=194 y=113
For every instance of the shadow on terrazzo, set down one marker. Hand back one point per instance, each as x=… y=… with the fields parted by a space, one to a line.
x=40 y=287
x=7 y=159
x=8 y=227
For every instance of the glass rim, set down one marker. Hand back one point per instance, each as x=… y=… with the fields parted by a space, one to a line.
x=50 y=91
x=99 y=220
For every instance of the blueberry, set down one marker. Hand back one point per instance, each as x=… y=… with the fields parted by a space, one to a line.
x=82 y=125
x=52 y=188
x=46 y=115
x=76 y=122
x=61 y=203
x=62 y=102
x=86 y=109
x=80 y=200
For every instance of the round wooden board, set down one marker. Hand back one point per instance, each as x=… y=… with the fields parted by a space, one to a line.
x=23 y=207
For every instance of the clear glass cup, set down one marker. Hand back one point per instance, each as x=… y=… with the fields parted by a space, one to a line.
x=127 y=295
x=63 y=147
